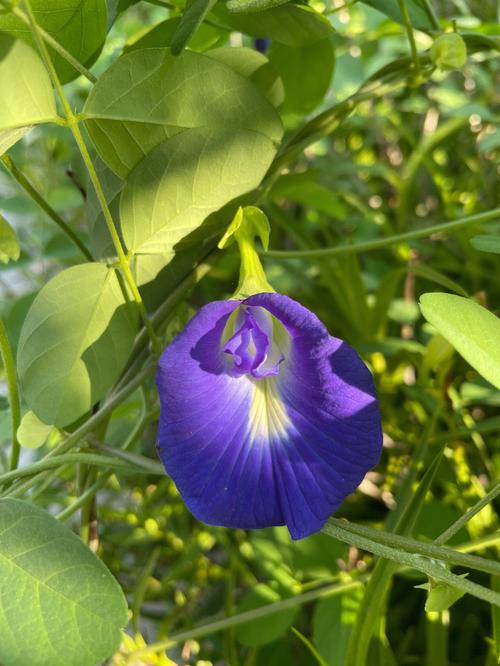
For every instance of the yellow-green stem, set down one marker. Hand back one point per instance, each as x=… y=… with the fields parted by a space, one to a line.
x=75 y=129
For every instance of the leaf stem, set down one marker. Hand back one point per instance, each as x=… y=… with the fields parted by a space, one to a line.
x=56 y=46
x=21 y=179
x=88 y=427
x=248 y=616
x=13 y=393
x=463 y=520
x=72 y=122
x=378 y=243
x=411 y=36
x=414 y=560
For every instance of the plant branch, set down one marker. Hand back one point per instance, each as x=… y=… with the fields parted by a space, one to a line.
x=75 y=129
x=366 y=246
x=13 y=393
x=44 y=205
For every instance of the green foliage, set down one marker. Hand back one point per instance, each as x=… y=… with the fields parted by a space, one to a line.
x=53 y=584
x=31 y=101
x=470 y=328
x=268 y=629
x=343 y=130
x=79 y=26
x=75 y=341
x=9 y=245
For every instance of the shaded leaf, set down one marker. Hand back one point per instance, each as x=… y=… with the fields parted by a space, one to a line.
x=486 y=243
x=266 y=629
x=78 y=25
x=57 y=590
x=294 y=25
x=26 y=99
x=418 y=14
x=9 y=137
x=149 y=96
x=193 y=15
x=306 y=72
x=9 y=245
x=206 y=37
x=74 y=343
x=470 y=328
x=333 y=620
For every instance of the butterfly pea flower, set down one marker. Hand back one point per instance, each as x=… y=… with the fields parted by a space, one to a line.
x=266 y=419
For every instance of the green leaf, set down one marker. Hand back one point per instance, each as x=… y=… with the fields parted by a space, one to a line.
x=9 y=137
x=306 y=72
x=486 y=243
x=205 y=37
x=26 y=99
x=495 y=618
x=253 y=5
x=149 y=96
x=267 y=629
x=440 y=595
x=254 y=66
x=418 y=15
x=470 y=328
x=294 y=25
x=74 y=343
x=32 y=433
x=60 y=604
x=193 y=15
x=168 y=197
x=333 y=620
x=78 y=25
x=9 y=245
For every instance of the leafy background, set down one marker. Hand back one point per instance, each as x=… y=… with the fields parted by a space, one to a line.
x=411 y=152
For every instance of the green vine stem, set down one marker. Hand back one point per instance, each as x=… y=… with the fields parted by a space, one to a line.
x=248 y=616
x=13 y=393
x=86 y=428
x=19 y=177
x=411 y=36
x=72 y=123
x=366 y=246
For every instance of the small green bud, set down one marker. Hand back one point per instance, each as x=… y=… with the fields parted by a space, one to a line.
x=449 y=51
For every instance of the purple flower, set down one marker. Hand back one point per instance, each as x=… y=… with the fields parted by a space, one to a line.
x=266 y=419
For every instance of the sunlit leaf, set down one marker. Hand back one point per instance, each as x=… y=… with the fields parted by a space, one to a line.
x=26 y=99
x=167 y=198
x=149 y=96
x=60 y=605
x=9 y=245
x=473 y=330
x=74 y=343
x=32 y=433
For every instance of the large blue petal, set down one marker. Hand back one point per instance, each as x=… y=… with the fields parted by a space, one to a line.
x=286 y=449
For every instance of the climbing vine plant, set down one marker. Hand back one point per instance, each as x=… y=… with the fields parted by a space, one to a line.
x=363 y=136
